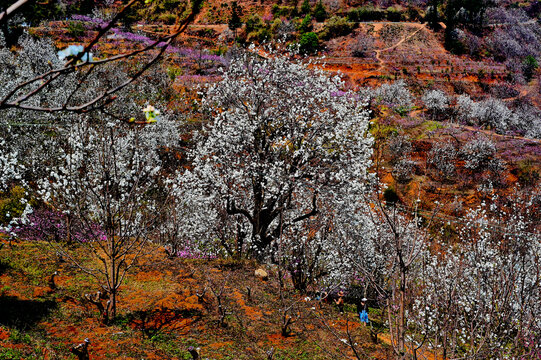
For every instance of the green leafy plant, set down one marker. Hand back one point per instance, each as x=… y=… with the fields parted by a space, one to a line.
x=306 y=24
x=75 y=29
x=529 y=66
x=235 y=21
x=305 y=7
x=337 y=26
x=320 y=13
x=308 y=43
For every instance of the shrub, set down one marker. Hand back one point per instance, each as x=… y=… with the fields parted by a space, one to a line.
x=394 y=14
x=365 y=13
x=308 y=43
x=529 y=66
x=283 y=11
x=399 y=146
x=167 y=18
x=320 y=13
x=261 y=35
x=478 y=155
x=362 y=45
x=390 y=196
x=527 y=175
x=173 y=72
x=442 y=158
x=12 y=206
x=76 y=29
x=403 y=170
x=337 y=26
x=283 y=30
x=253 y=23
x=306 y=24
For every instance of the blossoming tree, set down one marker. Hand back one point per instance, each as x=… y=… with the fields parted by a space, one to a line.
x=107 y=178
x=284 y=143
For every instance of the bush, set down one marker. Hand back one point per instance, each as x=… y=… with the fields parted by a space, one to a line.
x=337 y=26
x=253 y=23
x=394 y=14
x=13 y=205
x=283 y=11
x=283 y=30
x=478 y=154
x=529 y=66
x=399 y=146
x=526 y=173
x=390 y=196
x=306 y=24
x=320 y=13
x=260 y=35
x=362 y=46
x=403 y=170
x=308 y=43
x=365 y=13
x=76 y=29
x=442 y=158
x=167 y=18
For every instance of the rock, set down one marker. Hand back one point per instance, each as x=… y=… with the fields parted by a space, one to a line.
x=262 y=274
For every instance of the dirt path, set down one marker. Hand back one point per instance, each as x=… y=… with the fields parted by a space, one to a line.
x=492 y=133
x=400 y=42
x=416 y=113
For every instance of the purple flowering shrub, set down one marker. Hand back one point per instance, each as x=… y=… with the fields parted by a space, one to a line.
x=51 y=225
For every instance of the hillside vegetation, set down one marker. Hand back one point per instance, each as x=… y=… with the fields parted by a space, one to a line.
x=238 y=180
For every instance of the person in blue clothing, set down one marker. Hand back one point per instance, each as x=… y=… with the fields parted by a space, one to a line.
x=362 y=309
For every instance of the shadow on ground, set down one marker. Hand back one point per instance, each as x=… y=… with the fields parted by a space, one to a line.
x=23 y=314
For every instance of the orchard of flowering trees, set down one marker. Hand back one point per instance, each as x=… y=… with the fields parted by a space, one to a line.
x=280 y=171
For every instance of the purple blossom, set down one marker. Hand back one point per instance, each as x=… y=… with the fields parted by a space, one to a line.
x=339 y=93
x=188 y=253
x=89 y=19
x=45 y=224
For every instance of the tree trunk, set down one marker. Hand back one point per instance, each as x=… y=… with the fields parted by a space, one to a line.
x=112 y=304
x=68 y=228
x=402 y=316
x=113 y=285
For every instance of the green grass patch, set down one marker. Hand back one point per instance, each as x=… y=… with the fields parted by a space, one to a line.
x=429 y=126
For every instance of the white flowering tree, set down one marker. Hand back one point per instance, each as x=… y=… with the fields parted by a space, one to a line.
x=483 y=296
x=395 y=95
x=441 y=158
x=437 y=103
x=382 y=249
x=285 y=141
x=21 y=92
x=27 y=144
x=491 y=113
x=10 y=169
x=107 y=180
